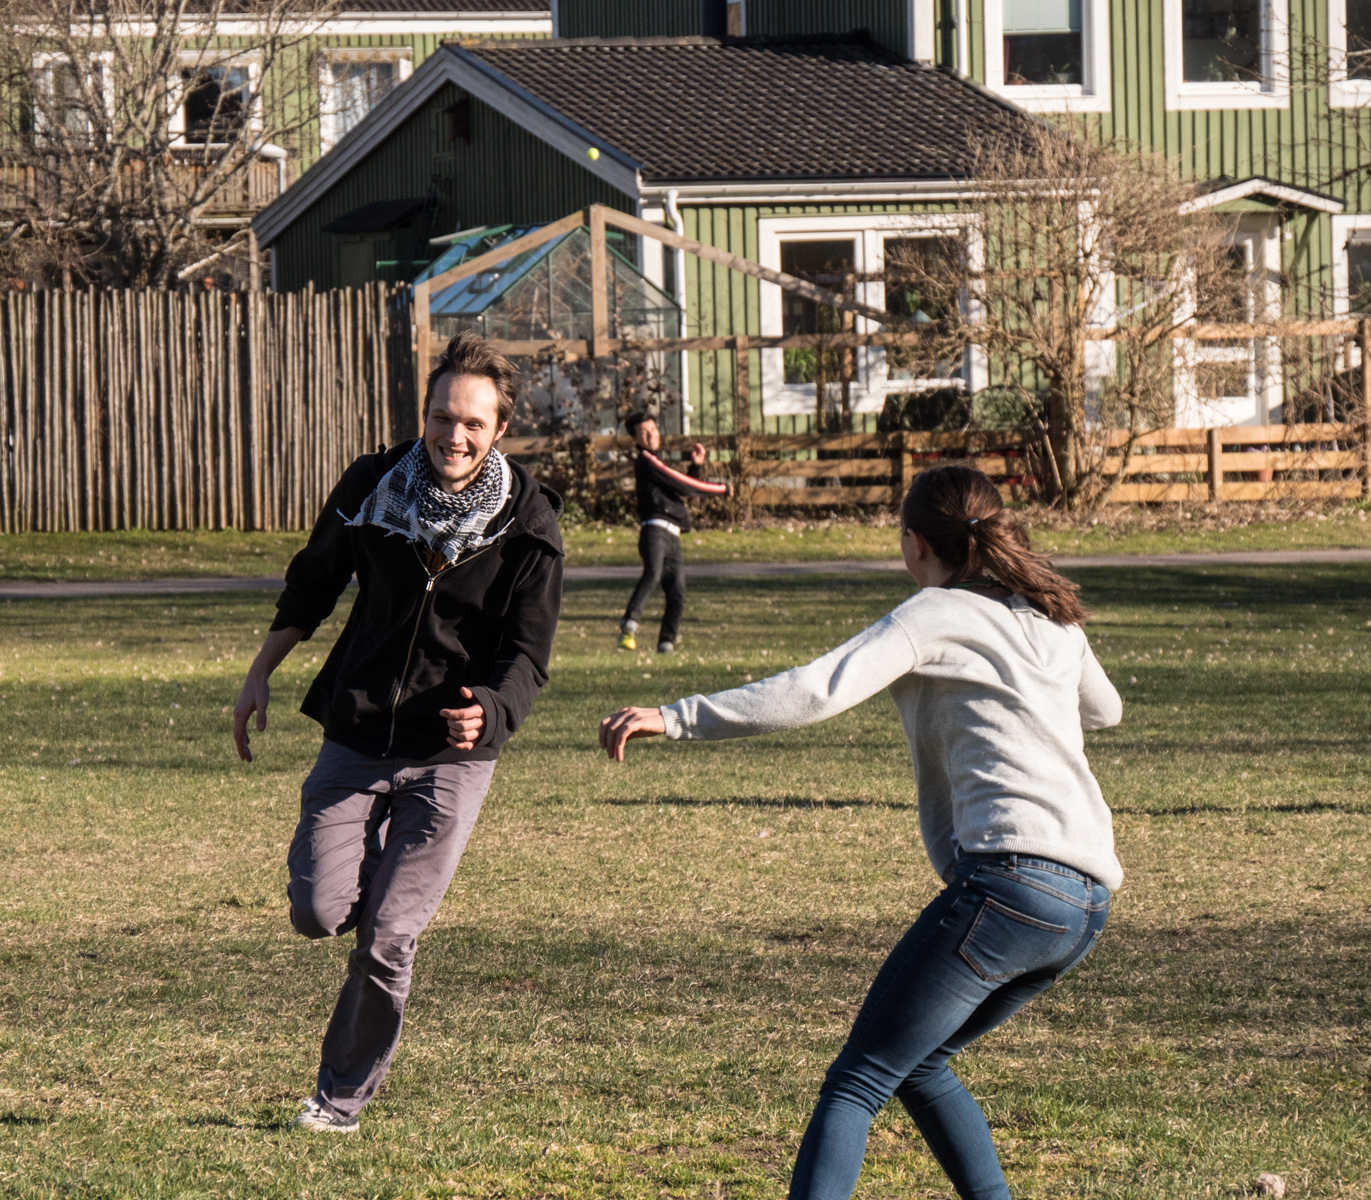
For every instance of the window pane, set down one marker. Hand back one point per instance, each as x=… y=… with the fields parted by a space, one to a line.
x=1223 y=380
x=1042 y=58
x=67 y=106
x=1226 y=298
x=829 y=265
x=1222 y=41
x=915 y=269
x=358 y=87
x=1042 y=16
x=1359 y=39
x=1042 y=42
x=1359 y=275
x=215 y=103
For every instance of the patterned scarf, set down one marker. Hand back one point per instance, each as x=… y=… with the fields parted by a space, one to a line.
x=408 y=501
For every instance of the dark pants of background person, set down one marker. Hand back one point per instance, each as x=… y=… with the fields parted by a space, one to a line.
x=375 y=850
x=1003 y=931
x=660 y=550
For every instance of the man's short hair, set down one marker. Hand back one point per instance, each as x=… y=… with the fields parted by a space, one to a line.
x=633 y=420
x=470 y=354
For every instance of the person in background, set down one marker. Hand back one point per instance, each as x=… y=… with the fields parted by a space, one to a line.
x=662 y=517
x=994 y=680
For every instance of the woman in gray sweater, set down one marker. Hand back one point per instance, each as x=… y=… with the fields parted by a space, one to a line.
x=994 y=681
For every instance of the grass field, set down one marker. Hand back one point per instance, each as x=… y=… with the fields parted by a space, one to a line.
x=641 y=973
x=142 y=554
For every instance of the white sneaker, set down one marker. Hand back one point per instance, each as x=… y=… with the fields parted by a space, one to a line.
x=318 y=1119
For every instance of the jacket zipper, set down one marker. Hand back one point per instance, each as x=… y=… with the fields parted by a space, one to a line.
x=414 y=637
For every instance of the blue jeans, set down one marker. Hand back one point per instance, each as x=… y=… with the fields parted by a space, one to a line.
x=1004 y=930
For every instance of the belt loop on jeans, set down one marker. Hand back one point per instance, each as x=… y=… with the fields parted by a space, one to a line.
x=1013 y=862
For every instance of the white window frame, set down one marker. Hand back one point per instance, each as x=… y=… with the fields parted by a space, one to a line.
x=1262 y=237
x=1092 y=95
x=869 y=233
x=102 y=60
x=190 y=59
x=1342 y=92
x=329 y=133
x=1272 y=91
x=1344 y=226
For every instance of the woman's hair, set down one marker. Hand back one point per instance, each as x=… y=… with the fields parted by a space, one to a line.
x=958 y=511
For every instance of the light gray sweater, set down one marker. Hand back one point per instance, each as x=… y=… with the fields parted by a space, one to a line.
x=993 y=697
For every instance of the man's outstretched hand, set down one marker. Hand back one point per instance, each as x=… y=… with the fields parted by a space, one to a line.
x=253 y=698
x=464 y=725
x=617 y=730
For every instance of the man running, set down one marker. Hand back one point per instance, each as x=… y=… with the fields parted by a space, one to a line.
x=459 y=565
x=662 y=516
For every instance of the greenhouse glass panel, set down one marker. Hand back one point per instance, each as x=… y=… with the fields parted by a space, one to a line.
x=545 y=294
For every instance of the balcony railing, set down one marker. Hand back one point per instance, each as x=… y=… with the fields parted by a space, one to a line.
x=244 y=195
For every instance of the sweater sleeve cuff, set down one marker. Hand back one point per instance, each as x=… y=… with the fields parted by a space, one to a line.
x=674 y=720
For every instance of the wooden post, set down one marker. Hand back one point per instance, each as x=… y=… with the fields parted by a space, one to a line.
x=742 y=428
x=599 y=283
x=1365 y=338
x=1215 y=438
x=422 y=350
x=900 y=475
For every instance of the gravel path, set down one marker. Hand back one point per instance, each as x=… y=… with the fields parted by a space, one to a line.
x=76 y=589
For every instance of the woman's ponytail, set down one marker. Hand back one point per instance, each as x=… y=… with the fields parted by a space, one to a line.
x=958 y=511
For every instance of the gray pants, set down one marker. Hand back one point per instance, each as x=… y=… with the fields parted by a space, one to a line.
x=375 y=850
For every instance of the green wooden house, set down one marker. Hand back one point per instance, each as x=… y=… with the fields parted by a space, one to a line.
x=814 y=135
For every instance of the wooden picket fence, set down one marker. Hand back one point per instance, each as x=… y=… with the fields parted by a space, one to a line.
x=1244 y=463
x=184 y=410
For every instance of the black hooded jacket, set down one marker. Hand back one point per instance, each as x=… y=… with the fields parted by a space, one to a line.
x=414 y=638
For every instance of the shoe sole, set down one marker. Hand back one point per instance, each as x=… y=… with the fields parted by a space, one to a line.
x=314 y=1126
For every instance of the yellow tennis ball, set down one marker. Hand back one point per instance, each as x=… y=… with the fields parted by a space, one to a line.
x=592 y=154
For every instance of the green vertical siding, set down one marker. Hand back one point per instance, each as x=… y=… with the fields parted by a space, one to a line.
x=504 y=176
x=886 y=20
x=628 y=18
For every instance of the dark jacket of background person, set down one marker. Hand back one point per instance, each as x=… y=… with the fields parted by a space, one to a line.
x=661 y=489
x=414 y=638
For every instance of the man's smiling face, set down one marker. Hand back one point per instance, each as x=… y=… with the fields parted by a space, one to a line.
x=462 y=424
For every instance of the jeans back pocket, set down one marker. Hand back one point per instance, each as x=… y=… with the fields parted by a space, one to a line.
x=1003 y=943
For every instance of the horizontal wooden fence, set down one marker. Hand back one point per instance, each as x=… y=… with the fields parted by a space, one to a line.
x=183 y=410
x=1250 y=463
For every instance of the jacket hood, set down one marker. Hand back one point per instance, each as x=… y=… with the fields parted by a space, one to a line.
x=536 y=508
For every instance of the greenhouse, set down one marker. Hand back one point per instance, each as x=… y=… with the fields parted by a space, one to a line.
x=545 y=293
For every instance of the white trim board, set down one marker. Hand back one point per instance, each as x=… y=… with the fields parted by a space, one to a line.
x=345 y=24
x=1264 y=187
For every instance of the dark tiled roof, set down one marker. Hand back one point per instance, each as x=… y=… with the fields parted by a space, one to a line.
x=696 y=109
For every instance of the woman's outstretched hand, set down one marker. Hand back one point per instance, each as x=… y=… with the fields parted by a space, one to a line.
x=616 y=730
